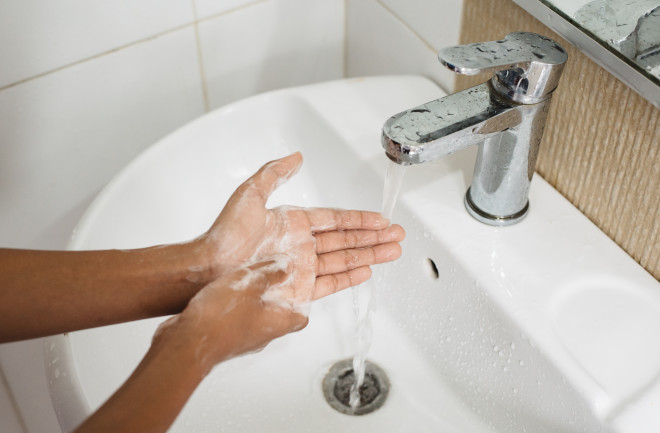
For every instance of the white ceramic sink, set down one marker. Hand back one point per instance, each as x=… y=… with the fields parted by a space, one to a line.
x=545 y=326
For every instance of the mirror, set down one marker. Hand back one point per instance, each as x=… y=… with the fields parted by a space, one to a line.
x=623 y=36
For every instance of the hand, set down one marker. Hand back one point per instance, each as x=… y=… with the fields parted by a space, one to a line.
x=226 y=318
x=240 y=312
x=264 y=267
x=332 y=249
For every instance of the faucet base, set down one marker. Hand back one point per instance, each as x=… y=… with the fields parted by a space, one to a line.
x=493 y=220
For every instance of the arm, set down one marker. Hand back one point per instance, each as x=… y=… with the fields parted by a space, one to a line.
x=291 y=257
x=227 y=318
x=153 y=396
x=47 y=292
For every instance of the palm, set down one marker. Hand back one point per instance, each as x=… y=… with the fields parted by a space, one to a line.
x=330 y=249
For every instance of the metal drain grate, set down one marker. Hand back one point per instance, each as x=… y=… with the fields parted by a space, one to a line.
x=337 y=387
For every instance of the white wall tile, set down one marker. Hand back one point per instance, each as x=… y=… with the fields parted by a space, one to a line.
x=66 y=134
x=207 y=8
x=40 y=36
x=269 y=45
x=436 y=21
x=379 y=43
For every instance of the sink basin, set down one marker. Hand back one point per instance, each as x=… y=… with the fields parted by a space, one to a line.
x=544 y=326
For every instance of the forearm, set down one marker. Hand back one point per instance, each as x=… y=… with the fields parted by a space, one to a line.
x=219 y=323
x=48 y=292
x=151 y=399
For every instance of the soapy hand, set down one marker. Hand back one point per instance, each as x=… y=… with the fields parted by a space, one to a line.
x=240 y=312
x=330 y=249
x=254 y=274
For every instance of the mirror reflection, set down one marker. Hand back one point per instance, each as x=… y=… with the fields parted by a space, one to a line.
x=631 y=27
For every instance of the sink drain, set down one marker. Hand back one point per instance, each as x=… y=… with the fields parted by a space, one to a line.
x=337 y=387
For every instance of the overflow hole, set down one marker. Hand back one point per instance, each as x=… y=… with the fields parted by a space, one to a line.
x=433 y=269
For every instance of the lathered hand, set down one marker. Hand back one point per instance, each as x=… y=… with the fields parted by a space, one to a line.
x=331 y=249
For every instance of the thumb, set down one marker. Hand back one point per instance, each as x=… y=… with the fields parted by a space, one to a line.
x=271 y=175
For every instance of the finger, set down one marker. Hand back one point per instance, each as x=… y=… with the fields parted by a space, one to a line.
x=326 y=219
x=339 y=240
x=345 y=260
x=329 y=284
x=270 y=176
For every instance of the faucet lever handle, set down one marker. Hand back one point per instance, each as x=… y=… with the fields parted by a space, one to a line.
x=527 y=66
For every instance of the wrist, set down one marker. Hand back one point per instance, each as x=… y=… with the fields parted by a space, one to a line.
x=169 y=277
x=183 y=346
x=199 y=265
x=208 y=263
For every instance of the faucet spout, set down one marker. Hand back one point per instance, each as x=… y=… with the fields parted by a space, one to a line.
x=504 y=116
x=446 y=125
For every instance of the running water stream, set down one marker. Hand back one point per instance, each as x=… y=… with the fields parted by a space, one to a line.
x=364 y=295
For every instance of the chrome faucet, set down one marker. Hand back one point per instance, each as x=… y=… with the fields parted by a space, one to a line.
x=505 y=116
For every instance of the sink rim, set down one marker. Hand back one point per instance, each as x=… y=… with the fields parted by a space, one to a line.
x=493 y=258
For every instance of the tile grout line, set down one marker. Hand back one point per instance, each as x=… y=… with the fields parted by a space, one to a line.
x=345 y=56
x=198 y=43
x=200 y=60
x=230 y=11
x=96 y=56
x=194 y=23
x=406 y=25
x=12 y=399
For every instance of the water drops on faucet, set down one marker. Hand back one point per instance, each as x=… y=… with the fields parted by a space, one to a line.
x=504 y=117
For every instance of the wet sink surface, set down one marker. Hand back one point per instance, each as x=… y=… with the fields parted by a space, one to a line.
x=479 y=329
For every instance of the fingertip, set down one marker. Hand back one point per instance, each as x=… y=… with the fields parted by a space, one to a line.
x=395 y=251
x=272 y=175
x=398 y=233
x=360 y=275
x=382 y=221
x=294 y=160
x=388 y=252
x=373 y=221
x=367 y=272
x=297 y=155
x=288 y=167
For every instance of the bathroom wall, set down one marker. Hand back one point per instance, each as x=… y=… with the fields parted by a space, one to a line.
x=601 y=146
x=401 y=37
x=85 y=86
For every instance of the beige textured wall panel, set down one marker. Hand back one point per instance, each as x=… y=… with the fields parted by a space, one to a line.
x=601 y=146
